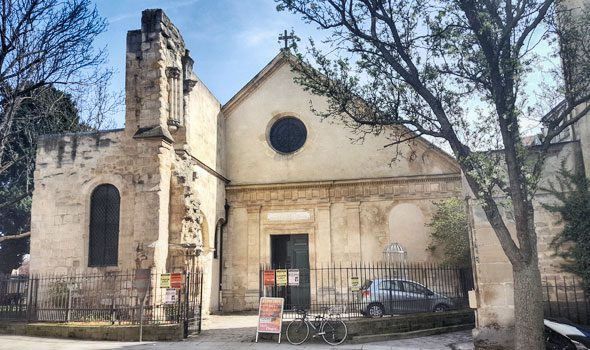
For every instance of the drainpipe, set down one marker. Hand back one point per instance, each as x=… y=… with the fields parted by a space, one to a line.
x=223 y=223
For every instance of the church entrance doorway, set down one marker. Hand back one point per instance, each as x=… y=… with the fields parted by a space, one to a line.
x=292 y=252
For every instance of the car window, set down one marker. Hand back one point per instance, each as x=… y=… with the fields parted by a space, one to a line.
x=414 y=288
x=389 y=285
x=367 y=284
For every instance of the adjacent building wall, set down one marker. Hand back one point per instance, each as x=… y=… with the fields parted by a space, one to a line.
x=493 y=271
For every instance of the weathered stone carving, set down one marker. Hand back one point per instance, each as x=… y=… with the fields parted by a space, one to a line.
x=191 y=230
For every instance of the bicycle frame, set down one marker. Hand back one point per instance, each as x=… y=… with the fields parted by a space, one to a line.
x=318 y=324
x=319 y=320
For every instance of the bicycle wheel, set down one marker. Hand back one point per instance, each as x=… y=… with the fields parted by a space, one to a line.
x=297 y=331
x=334 y=332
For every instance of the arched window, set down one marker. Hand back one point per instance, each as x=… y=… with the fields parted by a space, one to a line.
x=104 y=226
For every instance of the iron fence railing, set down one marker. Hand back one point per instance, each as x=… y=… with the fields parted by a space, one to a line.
x=566 y=297
x=109 y=298
x=13 y=297
x=352 y=289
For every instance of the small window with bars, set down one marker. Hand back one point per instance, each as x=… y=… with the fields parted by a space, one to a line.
x=104 y=226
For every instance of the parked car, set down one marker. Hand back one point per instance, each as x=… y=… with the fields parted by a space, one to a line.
x=380 y=297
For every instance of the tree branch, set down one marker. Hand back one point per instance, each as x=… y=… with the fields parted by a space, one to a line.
x=15 y=200
x=13 y=237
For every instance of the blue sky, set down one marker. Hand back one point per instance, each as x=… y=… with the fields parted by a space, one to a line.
x=230 y=40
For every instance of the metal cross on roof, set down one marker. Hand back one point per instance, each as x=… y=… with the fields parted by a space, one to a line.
x=286 y=37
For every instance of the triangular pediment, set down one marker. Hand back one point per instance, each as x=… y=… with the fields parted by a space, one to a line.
x=277 y=62
x=329 y=152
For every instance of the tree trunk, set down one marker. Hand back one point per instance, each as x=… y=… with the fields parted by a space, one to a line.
x=528 y=305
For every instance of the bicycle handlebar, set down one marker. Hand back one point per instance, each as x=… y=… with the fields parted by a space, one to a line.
x=300 y=312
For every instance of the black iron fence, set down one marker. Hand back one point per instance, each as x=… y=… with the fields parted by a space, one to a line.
x=106 y=298
x=13 y=297
x=359 y=289
x=566 y=297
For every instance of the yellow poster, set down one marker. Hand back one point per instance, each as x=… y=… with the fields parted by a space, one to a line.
x=281 y=278
x=165 y=280
x=355 y=284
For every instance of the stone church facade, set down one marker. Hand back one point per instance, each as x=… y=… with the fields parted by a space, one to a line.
x=190 y=181
x=258 y=180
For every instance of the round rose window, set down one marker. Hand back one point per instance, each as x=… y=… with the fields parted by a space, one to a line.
x=287 y=135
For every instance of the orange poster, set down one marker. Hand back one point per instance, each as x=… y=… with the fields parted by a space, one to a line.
x=269 y=277
x=175 y=280
x=270 y=315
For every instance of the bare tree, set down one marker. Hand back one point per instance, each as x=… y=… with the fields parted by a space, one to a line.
x=52 y=80
x=458 y=71
x=43 y=43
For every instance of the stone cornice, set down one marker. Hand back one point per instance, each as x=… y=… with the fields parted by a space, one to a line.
x=382 y=180
x=203 y=165
x=339 y=190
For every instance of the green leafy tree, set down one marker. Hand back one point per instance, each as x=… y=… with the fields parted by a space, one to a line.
x=459 y=71
x=573 y=207
x=51 y=111
x=450 y=232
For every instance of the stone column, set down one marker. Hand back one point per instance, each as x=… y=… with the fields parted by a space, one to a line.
x=174 y=95
x=253 y=229
x=323 y=242
x=353 y=228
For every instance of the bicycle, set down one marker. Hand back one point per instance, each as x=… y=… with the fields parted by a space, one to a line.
x=332 y=330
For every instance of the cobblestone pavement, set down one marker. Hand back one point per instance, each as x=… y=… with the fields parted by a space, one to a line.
x=235 y=332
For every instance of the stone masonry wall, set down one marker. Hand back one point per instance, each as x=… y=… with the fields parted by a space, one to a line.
x=166 y=99
x=69 y=168
x=166 y=164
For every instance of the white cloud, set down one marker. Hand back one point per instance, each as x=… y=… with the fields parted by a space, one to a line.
x=256 y=36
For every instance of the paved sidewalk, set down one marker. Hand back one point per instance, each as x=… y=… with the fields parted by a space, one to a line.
x=222 y=331
x=448 y=341
x=235 y=332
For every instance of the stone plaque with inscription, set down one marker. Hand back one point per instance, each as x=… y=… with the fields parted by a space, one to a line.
x=289 y=216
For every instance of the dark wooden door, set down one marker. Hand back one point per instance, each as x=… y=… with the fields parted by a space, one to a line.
x=292 y=252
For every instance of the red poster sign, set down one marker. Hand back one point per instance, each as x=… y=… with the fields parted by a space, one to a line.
x=269 y=277
x=270 y=315
x=175 y=280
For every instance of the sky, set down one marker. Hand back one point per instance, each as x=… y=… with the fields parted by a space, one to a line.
x=230 y=40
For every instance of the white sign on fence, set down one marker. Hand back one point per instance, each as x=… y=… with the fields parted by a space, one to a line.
x=171 y=297
x=293 y=277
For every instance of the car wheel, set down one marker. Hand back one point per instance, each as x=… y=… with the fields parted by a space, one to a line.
x=375 y=310
x=441 y=308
